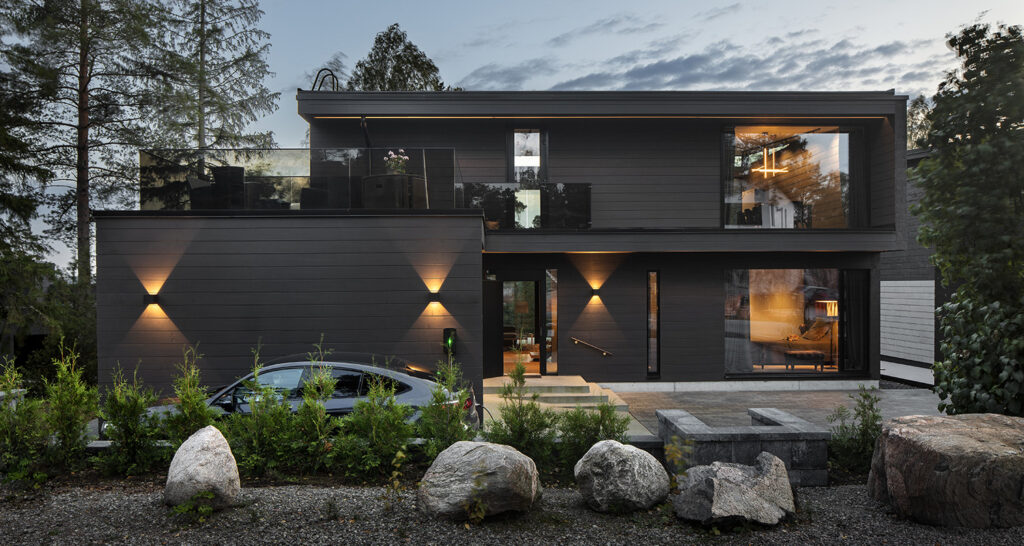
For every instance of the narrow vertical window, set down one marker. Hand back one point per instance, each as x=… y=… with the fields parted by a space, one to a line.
x=551 y=328
x=653 y=323
x=528 y=157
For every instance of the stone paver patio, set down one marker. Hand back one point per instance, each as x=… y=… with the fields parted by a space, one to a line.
x=730 y=408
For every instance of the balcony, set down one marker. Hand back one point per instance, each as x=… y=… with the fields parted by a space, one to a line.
x=536 y=205
x=296 y=179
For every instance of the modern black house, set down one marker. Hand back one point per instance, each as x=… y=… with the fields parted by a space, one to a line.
x=643 y=240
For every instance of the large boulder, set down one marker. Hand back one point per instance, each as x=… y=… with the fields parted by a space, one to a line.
x=470 y=476
x=203 y=463
x=962 y=470
x=613 y=477
x=722 y=492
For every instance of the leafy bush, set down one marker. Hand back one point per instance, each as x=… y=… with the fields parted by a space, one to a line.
x=261 y=440
x=374 y=433
x=191 y=413
x=71 y=404
x=23 y=432
x=133 y=431
x=854 y=436
x=197 y=509
x=442 y=423
x=524 y=425
x=581 y=428
x=314 y=428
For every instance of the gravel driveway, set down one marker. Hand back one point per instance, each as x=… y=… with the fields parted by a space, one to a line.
x=118 y=513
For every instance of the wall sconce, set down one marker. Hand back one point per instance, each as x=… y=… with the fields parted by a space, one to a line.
x=434 y=297
x=596 y=292
x=149 y=299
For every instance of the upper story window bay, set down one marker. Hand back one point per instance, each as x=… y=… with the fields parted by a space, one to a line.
x=793 y=177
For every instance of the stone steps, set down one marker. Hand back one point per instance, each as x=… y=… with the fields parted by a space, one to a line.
x=558 y=392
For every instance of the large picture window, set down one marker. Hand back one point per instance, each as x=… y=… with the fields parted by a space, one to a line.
x=786 y=321
x=791 y=177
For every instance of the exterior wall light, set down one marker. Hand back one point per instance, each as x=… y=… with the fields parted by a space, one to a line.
x=433 y=297
x=596 y=292
x=150 y=299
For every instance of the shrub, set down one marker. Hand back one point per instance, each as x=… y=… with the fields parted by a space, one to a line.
x=374 y=433
x=581 y=428
x=133 y=431
x=443 y=421
x=191 y=412
x=261 y=440
x=314 y=428
x=71 y=404
x=23 y=433
x=523 y=424
x=853 y=437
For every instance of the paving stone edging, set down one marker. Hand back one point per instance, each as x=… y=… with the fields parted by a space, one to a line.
x=802 y=445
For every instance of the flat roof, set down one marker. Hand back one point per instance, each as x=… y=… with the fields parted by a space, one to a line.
x=597 y=104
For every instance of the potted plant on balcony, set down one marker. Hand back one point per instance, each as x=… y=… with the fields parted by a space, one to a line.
x=396 y=163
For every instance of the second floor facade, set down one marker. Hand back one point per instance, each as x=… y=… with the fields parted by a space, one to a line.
x=594 y=171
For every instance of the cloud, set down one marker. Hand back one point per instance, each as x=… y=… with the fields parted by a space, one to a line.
x=494 y=77
x=715 y=13
x=787 y=62
x=617 y=24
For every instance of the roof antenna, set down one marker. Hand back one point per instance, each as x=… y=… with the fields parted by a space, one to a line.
x=328 y=77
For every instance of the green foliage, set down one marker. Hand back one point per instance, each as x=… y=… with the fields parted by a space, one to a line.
x=314 y=428
x=971 y=214
x=71 y=404
x=396 y=64
x=677 y=455
x=261 y=440
x=374 y=433
x=983 y=348
x=524 y=425
x=196 y=509
x=134 y=432
x=475 y=507
x=23 y=432
x=214 y=62
x=581 y=428
x=442 y=423
x=853 y=437
x=191 y=413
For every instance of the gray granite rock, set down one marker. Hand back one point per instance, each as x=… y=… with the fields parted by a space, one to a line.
x=613 y=477
x=719 y=492
x=203 y=463
x=962 y=470
x=468 y=476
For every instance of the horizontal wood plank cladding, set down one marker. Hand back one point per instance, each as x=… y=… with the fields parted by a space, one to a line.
x=643 y=173
x=914 y=262
x=690 y=241
x=228 y=283
x=907 y=320
x=492 y=103
x=692 y=307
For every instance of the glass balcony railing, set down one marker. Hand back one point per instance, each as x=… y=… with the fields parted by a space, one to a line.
x=530 y=206
x=349 y=178
x=297 y=179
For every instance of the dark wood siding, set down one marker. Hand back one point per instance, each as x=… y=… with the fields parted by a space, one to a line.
x=283 y=281
x=692 y=307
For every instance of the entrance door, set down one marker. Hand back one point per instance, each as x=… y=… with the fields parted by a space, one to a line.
x=522 y=332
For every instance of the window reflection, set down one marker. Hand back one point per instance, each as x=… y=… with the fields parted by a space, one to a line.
x=526 y=154
x=782 y=320
x=788 y=178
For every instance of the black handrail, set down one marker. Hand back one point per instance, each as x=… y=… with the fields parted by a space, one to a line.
x=578 y=341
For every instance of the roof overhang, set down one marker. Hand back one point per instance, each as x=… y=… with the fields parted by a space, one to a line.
x=598 y=104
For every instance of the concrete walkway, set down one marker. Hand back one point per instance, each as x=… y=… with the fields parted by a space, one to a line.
x=730 y=408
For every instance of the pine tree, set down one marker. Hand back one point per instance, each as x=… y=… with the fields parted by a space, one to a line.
x=214 y=63
x=396 y=64
x=91 y=124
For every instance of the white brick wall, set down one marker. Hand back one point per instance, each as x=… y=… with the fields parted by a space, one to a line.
x=907 y=328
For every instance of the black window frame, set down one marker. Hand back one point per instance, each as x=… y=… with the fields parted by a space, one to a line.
x=657 y=282
x=859 y=193
x=510 y=152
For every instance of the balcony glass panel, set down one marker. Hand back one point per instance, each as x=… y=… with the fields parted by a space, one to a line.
x=532 y=206
x=788 y=177
x=297 y=179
